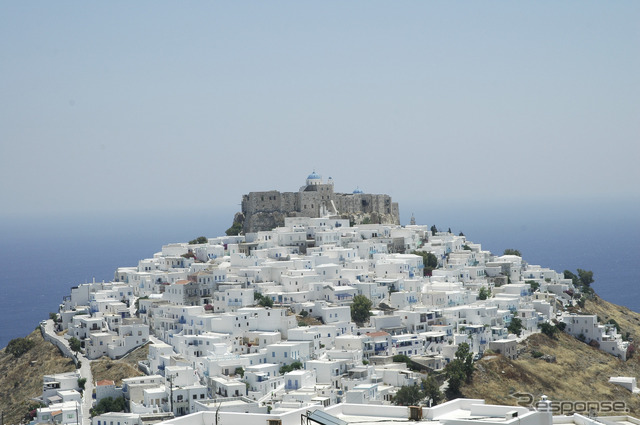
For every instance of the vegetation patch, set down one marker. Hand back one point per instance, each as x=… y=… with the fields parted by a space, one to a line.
x=21 y=377
x=19 y=346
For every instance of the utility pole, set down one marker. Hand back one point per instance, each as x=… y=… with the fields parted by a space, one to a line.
x=170 y=379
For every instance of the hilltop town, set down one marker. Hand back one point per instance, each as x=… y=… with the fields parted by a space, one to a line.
x=319 y=312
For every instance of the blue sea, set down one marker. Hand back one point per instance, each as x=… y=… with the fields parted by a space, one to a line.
x=43 y=257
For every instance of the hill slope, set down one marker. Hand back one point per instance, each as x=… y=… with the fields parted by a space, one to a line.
x=579 y=373
x=21 y=378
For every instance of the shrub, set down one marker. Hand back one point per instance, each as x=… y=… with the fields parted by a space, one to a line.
x=235 y=229
x=408 y=395
x=109 y=404
x=536 y=354
x=548 y=329
x=614 y=323
x=515 y=327
x=288 y=368
x=75 y=344
x=360 y=309
x=401 y=358
x=631 y=349
x=19 y=346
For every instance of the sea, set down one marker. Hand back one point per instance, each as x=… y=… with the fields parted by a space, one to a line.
x=43 y=256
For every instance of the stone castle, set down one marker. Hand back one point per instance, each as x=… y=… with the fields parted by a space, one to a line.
x=267 y=210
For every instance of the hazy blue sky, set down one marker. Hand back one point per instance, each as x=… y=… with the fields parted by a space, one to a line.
x=129 y=106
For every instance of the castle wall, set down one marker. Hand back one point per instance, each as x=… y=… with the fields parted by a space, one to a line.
x=267 y=210
x=366 y=203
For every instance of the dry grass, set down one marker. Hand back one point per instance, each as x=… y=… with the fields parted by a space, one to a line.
x=628 y=320
x=580 y=372
x=308 y=321
x=117 y=370
x=21 y=378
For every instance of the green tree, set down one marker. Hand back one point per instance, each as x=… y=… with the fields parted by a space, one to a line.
x=239 y=371
x=586 y=277
x=431 y=389
x=460 y=369
x=266 y=302
x=109 y=404
x=614 y=323
x=408 y=395
x=81 y=383
x=534 y=285
x=515 y=327
x=19 y=346
x=401 y=358
x=484 y=293
x=429 y=260
x=511 y=251
x=199 y=240
x=235 y=229
x=360 y=308
x=53 y=316
x=548 y=329
x=262 y=300
x=573 y=277
x=75 y=344
x=454 y=372
x=434 y=230
x=464 y=354
x=288 y=368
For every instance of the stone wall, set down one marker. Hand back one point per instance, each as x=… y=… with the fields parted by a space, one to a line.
x=267 y=210
x=64 y=349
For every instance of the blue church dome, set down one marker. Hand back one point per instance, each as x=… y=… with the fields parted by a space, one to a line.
x=314 y=176
x=358 y=190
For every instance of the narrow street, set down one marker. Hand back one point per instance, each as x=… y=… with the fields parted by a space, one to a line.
x=85 y=372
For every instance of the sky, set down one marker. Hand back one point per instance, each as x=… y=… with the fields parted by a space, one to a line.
x=120 y=107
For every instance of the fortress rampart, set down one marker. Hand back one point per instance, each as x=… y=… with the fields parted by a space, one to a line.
x=267 y=210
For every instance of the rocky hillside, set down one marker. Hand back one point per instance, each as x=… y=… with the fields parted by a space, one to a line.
x=562 y=368
x=117 y=370
x=21 y=378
